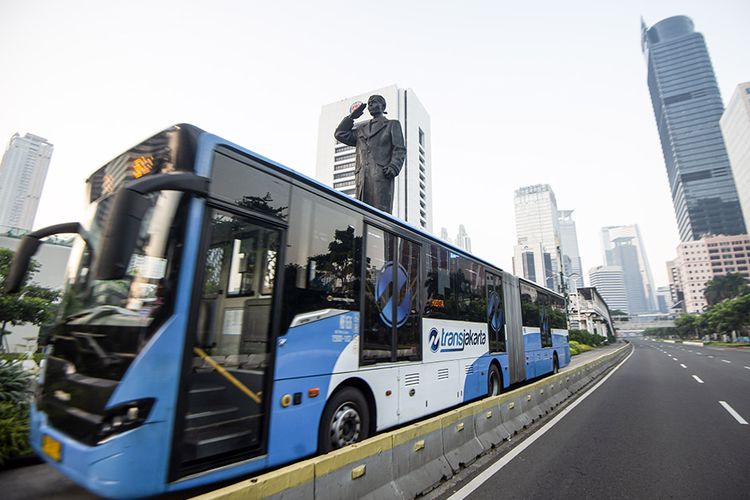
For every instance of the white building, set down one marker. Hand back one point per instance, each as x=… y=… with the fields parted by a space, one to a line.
x=52 y=258
x=588 y=310
x=700 y=261
x=412 y=201
x=625 y=236
x=22 y=173
x=664 y=299
x=572 y=267
x=536 y=254
x=735 y=127
x=463 y=241
x=609 y=281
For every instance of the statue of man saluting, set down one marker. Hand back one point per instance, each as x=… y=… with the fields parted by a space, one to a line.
x=380 y=152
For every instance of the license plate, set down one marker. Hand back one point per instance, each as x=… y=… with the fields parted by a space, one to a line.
x=52 y=447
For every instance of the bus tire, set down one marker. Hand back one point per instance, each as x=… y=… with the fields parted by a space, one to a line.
x=555 y=364
x=346 y=420
x=494 y=381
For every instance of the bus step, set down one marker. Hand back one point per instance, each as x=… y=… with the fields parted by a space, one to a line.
x=204 y=442
x=211 y=416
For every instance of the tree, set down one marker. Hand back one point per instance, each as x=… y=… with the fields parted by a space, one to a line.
x=725 y=287
x=32 y=304
x=730 y=315
x=689 y=325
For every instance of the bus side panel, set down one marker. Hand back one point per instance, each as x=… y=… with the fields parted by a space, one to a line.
x=561 y=346
x=514 y=331
x=305 y=359
x=532 y=340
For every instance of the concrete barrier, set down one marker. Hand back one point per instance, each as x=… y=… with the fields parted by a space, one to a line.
x=691 y=342
x=412 y=460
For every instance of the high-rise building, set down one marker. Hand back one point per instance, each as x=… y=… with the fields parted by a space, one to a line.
x=676 y=291
x=638 y=278
x=609 y=281
x=687 y=107
x=735 y=127
x=698 y=262
x=463 y=241
x=444 y=235
x=22 y=173
x=664 y=299
x=412 y=200
x=537 y=252
x=571 y=258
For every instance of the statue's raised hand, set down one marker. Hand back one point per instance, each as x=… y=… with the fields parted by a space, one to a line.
x=357 y=109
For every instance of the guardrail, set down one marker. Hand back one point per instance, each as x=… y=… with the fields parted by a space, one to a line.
x=414 y=459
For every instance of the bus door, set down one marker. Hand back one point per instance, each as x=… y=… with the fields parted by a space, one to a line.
x=223 y=406
x=391 y=326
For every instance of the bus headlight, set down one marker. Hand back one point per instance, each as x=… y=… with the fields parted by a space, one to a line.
x=124 y=417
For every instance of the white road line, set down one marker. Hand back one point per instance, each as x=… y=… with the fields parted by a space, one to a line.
x=683 y=365
x=731 y=411
x=675 y=359
x=697 y=379
x=726 y=361
x=698 y=354
x=505 y=460
x=748 y=367
x=710 y=356
x=690 y=352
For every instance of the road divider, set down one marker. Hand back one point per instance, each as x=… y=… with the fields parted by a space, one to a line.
x=414 y=459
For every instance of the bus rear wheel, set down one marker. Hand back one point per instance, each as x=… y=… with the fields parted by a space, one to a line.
x=494 y=382
x=346 y=420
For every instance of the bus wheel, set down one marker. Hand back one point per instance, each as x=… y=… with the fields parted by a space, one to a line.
x=555 y=364
x=494 y=383
x=346 y=420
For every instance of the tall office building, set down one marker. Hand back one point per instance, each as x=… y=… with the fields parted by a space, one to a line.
x=412 y=200
x=664 y=299
x=735 y=127
x=638 y=277
x=22 y=173
x=463 y=241
x=609 y=281
x=687 y=107
x=571 y=258
x=537 y=252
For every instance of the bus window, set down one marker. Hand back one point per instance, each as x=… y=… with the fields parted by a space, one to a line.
x=558 y=317
x=323 y=257
x=378 y=333
x=470 y=292
x=544 y=319
x=407 y=334
x=529 y=305
x=496 y=313
x=439 y=303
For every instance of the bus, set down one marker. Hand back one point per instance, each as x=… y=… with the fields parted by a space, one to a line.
x=223 y=315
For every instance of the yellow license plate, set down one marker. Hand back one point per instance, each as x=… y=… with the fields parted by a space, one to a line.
x=52 y=447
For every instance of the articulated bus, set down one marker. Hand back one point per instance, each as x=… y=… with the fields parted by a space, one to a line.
x=224 y=315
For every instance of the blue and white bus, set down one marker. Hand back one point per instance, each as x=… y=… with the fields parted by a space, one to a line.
x=223 y=314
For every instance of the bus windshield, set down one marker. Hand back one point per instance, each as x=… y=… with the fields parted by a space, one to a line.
x=103 y=324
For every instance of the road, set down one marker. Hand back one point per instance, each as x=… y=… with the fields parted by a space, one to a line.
x=667 y=424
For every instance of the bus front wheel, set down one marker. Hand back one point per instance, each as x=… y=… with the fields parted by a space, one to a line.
x=346 y=420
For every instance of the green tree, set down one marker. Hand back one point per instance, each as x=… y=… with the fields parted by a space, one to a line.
x=729 y=315
x=33 y=304
x=725 y=287
x=690 y=325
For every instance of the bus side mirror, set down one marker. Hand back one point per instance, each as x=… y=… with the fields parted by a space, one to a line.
x=26 y=250
x=123 y=223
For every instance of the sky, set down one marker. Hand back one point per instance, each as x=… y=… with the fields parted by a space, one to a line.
x=518 y=94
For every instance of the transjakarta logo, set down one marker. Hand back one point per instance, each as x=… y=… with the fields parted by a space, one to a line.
x=448 y=341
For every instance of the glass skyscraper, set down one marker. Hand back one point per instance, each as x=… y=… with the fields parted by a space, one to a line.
x=687 y=107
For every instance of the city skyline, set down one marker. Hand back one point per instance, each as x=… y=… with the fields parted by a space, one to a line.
x=498 y=120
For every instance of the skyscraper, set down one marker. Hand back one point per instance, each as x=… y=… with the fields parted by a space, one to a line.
x=609 y=281
x=536 y=255
x=571 y=259
x=412 y=199
x=735 y=127
x=463 y=241
x=620 y=244
x=687 y=107
x=22 y=173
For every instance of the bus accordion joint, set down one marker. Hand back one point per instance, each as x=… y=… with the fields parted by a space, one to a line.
x=224 y=373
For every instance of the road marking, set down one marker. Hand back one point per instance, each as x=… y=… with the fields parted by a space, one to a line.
x=710 y=356
x=505 y=460
x=698 y=354
x=731 y=411
x=683 y=365
x=675 y=359
x=724 y=360
x=697 y=379
x=690 y=352
x=748 y=367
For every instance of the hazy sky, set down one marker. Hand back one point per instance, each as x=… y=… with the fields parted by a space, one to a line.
x=518 y=93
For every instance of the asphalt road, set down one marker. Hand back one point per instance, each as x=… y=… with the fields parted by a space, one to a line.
x=654 y=429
